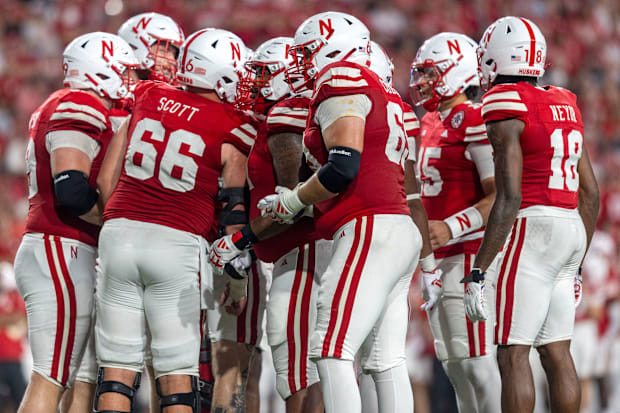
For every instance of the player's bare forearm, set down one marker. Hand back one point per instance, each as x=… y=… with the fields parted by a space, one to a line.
x=286 y=151
x=504 y=137
x=234 y=175
x=112 y=165
x=313 y=191
x=418 y=213
x=588 y=195
x=484 y=205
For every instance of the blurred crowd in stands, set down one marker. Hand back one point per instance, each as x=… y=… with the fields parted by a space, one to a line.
x=583 y=39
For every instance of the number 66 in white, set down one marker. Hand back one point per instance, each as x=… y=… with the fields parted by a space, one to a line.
x=177 y=171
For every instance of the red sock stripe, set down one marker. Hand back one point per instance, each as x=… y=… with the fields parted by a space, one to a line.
x=357 y=275
x=304 y=318
x=255 y=304
x=72 y=309
x=60 y=309
x=482 y=337
x=290 y=328
x=333 y=316
x=500 y=281
x=510 y=288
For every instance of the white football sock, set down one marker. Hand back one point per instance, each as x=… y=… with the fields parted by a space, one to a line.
x=394 y=393
x=340 y=391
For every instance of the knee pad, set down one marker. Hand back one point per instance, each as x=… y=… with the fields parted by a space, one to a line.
x=111 y=386
x=191 y=399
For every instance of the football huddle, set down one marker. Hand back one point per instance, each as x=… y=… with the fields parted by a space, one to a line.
x=194 y=203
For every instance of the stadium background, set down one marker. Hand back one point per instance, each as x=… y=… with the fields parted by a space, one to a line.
x=583 y=39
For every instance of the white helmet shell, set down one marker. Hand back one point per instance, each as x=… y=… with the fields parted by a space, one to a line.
x=145 y=29
x=99 y=61
x=451 y=57
x=380 y=63
x=212 y=59
x=327 y=38
x=512 y=46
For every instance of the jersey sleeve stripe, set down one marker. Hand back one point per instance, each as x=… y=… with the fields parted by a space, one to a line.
x=289 y=112
x=79 y=116
x=511 y=95
x=244 y=136
x=473 y=130
x=409 y=116
x=343 y=77
x=287 y=120
x=249 y=129
x=510 y=106
x=81 y=108
x=474 y=138
x=412 y=124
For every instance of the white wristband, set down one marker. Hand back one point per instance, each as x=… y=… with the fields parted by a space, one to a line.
x=292 y=201
x=464 y=222
x=428 y=263
x=411 y=197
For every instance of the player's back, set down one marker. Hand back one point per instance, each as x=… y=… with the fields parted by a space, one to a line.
x=551 y=142
x=173 y=159
x=378 y=187
x=68 y=112
x=288 y=116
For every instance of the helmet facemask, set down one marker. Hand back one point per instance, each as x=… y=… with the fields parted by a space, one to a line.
x=162 y=60
x=427 y=86
x=256 y=87
x=302 y=72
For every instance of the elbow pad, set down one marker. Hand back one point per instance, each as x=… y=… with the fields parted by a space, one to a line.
x=341 y=169
x=233 y=196
x=74 y=193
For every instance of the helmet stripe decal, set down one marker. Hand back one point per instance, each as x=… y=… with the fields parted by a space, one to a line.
x=189 y=41
x=532 y=40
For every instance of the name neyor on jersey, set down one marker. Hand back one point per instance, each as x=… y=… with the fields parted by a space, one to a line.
x=551 y=142
x=66 y=110
x=173 y=159
x=449 y=178
x=288 y=116
x=378 y=187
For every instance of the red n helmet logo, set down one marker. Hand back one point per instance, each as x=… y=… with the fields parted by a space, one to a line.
x=327 y=27
x=107 y=48
x=142 y=23
x=454 y=46
x=236 y=51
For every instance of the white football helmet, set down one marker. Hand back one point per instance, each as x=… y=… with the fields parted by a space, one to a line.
x=323 y=39
x=445 y=66
x=380 y=63
x=101 y=62
x=264 y=79
x=512 y=46
x=146 y=30
x=212 y=59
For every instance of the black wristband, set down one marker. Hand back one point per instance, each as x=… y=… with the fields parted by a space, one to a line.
x=246 y=238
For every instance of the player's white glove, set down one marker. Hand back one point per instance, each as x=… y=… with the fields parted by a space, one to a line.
x=234 y=297
x=431 y=288
x=225 y=249
x=475 y=305
x=284 y=206
x=578 y=285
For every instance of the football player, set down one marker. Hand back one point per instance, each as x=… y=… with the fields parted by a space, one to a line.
x=55 y=263
x=298 y=253
x=356 y=143
x=456 y=171
x=543 y=216
x=178 y=143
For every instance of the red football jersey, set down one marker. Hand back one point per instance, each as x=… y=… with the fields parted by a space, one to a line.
x=450 y=180
x=412 y=128
x=551 y=142
x=378 y=187
x=173 y=159
x=65 y=110
x=288 y=116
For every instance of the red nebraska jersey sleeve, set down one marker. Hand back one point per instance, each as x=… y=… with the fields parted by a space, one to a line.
x=449 y=177
x=551 y=142
x=285 y=117
x=412 y=128
x=66 y=110
x=173 y=159
x=378 y=187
